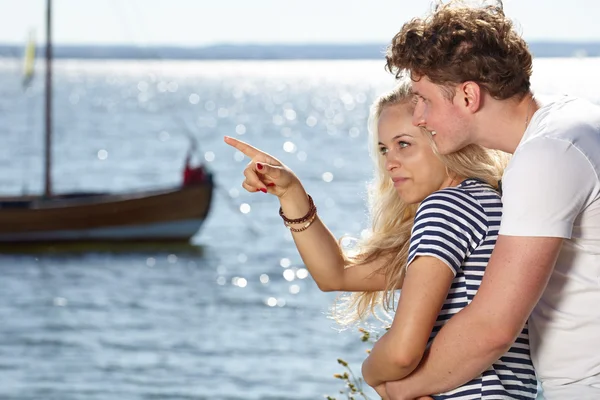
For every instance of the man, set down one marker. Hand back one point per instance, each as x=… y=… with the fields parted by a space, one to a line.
x=471 y=75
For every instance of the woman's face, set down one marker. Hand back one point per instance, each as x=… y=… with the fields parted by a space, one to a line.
x=409 y=158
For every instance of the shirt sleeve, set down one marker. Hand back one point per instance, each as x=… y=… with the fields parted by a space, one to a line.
x=449 y=225
x=545 y=187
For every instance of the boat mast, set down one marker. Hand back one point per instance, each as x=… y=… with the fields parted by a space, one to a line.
x=48 y=103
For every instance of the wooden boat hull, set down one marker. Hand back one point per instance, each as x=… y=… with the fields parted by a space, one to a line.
x=174 y=214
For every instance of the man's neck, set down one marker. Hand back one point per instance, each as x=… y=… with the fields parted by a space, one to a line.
x=504 y=122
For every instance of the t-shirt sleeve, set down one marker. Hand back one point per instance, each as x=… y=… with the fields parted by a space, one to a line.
x=449 y=225
x=545 y=187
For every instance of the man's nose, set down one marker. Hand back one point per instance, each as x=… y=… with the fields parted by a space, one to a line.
x=418 y=118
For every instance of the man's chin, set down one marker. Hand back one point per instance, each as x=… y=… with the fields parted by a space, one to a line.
x=439 y=146
x=443 y=147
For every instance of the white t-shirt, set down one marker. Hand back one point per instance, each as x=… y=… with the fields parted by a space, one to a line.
x=551 y=189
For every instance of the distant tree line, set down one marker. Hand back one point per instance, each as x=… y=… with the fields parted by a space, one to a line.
x=270 y=52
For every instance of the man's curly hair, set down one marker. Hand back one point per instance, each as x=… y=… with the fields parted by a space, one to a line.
x=456 y=44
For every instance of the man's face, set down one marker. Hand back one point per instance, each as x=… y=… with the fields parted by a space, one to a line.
x=441 y=116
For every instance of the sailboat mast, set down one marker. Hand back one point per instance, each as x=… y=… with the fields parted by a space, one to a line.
x=48 y=103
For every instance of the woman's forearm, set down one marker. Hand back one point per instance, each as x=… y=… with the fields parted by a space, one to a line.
x=317 y=246
x=387 y=362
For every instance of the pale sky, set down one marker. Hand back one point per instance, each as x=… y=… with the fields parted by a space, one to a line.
x=205 y=22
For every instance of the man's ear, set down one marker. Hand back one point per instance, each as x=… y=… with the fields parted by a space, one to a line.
x=470 y=96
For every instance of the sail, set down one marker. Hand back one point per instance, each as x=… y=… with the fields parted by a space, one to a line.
x=29 y=60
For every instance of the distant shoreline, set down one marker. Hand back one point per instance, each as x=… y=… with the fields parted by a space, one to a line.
x=270 y=52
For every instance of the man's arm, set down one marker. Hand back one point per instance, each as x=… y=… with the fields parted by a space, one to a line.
x=478 y=335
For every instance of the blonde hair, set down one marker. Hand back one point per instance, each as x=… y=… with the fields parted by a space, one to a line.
x=392 y=219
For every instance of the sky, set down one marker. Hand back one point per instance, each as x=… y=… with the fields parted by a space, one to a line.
x=207 y=22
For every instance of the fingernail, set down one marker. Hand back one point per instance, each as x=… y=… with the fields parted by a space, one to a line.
x=263 y=190
x=259 y=166
x=270 y=184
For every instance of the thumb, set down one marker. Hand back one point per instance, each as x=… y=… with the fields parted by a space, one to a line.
x=270 y=171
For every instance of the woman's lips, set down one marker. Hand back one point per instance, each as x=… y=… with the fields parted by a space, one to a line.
x=399 y=181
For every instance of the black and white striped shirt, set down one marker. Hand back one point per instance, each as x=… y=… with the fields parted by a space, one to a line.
x=459 y=226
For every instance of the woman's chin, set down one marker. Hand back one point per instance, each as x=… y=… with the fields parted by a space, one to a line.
x=410 y=197
x=406 y=196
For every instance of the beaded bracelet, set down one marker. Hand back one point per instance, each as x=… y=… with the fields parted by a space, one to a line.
x=305 y=227
x=311 y=211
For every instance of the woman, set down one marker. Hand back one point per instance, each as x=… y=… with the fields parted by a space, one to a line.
x=434 y=224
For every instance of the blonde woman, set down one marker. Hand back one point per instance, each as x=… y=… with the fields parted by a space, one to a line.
x=434 y=224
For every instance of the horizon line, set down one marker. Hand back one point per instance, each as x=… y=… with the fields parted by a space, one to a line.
x=271 y=44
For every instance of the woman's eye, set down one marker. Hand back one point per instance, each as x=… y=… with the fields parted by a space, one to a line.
x=383 y=151
x=403 y=144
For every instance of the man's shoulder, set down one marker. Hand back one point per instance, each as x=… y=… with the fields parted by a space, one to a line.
x=555 y=156
x=563 y=128
x=567 y=118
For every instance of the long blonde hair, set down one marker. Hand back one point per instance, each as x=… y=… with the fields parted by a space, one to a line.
x=392 y=219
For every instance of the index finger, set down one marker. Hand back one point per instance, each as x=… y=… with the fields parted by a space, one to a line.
x=245 y=148
x=252 y=151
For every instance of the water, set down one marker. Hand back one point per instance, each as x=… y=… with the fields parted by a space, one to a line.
x=220 y=319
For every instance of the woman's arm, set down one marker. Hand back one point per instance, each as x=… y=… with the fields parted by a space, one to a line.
x=399 y=351
x=322 y=254
x=317 y=246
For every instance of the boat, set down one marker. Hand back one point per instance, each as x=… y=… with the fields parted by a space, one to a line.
x=164 y=214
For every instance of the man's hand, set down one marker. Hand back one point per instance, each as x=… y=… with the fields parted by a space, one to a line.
x=380 y=389
x=394 y=392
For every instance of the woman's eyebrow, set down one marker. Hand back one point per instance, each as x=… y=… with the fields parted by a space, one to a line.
x=397 y=137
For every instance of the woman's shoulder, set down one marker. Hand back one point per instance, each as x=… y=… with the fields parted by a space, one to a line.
x=476 y=188
x=452 y=212
x=471 y=199
x=470 y=193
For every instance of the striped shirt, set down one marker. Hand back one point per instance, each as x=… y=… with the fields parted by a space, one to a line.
x=459 y=226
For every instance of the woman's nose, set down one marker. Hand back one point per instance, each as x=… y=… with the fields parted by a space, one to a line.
x=391 y=163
